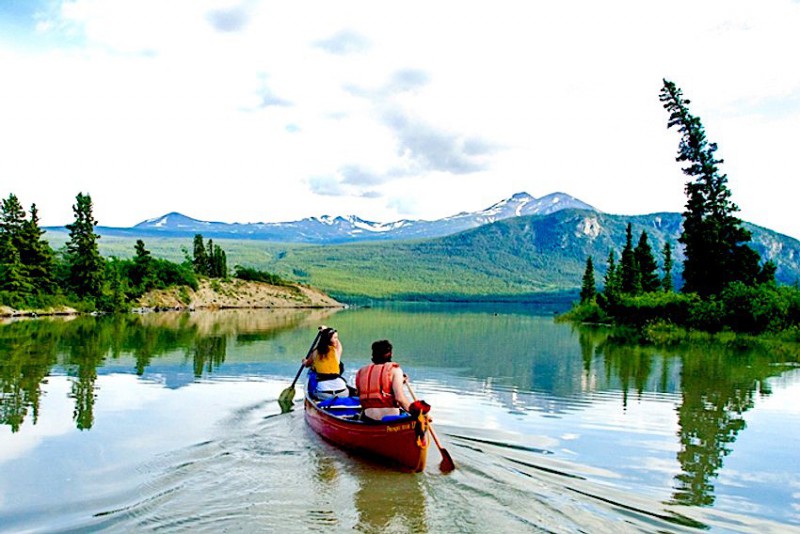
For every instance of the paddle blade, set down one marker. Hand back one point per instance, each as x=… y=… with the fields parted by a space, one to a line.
x=286 y=399
x=447 y=464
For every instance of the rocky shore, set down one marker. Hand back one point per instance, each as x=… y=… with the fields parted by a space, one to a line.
x=235 y=293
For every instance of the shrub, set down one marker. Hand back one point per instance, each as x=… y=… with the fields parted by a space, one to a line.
x=649 y=307
x=586 y=312
x=254 y=275
x=755 y=309
x=167 y=273
x=706 y=315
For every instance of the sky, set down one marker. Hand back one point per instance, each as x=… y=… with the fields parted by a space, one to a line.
x=264 y=111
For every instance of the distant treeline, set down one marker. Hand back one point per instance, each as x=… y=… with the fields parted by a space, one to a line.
x=34 y=276
x=725 y=284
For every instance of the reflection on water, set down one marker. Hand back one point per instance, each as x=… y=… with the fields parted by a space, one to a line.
x=717 y=386
x=30 y=350
x=389 y=501
x=560 y=406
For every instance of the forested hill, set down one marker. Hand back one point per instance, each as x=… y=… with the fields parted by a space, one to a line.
x=520 y=258
x=515 y=258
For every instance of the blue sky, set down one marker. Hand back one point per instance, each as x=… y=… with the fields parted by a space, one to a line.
x=247 y=111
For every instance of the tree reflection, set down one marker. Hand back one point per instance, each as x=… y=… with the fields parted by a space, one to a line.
x=27 y=353
x=208 y=353
x=30 y=349
x=148 y=342
x=89 y=345
x=717 y=386
x=632 y=365
x=716 y=392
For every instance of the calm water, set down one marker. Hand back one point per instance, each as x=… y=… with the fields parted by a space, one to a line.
x=170 y=422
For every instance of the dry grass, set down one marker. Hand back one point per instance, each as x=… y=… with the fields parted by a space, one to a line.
x=219 y=294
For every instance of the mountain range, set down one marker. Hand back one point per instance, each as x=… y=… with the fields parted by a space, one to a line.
x=519 y=258
x=327 y=229
x=519 y=249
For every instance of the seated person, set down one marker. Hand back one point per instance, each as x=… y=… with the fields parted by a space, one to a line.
x=380 y=384
x=324 y=378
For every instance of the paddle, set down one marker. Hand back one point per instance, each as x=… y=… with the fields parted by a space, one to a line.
x=447 y=464
x=286 y=398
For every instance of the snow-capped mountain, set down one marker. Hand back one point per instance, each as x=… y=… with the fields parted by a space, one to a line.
x=327 y=229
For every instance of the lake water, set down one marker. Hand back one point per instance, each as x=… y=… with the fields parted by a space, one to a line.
x=170 y=422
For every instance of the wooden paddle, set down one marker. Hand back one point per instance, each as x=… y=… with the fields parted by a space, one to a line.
x=447 y=464
x=286 y=398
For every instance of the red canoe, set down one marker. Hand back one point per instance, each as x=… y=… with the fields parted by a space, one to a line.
x=402 y=442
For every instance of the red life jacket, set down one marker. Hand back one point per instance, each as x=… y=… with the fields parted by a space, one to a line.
x=374 y=384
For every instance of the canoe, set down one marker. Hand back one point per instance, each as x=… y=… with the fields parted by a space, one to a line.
x=402 y=442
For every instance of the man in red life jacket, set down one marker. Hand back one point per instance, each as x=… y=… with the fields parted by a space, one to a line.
x=380 y=384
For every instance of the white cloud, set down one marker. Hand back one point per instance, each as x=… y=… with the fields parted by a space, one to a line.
x=243 y=110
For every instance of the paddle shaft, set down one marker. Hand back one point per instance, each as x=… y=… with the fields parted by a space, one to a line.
x=447 y=462
x=310 y=350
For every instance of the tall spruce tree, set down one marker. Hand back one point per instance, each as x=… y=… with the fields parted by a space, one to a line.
x=86 y=266
x=666 y=282
x=220 y=263
x=588 y=287
x=13 y=274
x=12 y=220
x=37 y=255
x=611 y=281
x=13 y=217
x=714 y=239
x=142 y=269
x=647 y=266
x=118 y=286
x=630 y=280
x=209 y=268
x=199 y=256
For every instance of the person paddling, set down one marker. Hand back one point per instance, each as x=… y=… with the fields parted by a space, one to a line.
x=325 y=366
x=380 y=384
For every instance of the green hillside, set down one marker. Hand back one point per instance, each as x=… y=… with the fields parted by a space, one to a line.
x=523 y=258
x=518 y=259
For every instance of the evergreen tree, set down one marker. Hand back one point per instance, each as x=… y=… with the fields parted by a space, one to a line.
x=12 y=276
x=220 y=263
x=37 y=255
x=630 y=282
x=209 y=259
x=612 y=284
x=142 y=269
x=588 y=288
x=8 y=252
x=767 y=273
x=119 y=287
x=666 y=282
x=209 y=268
x=714 y=239
x=199 y=258
x=646 y=263
x=86 y=266
x=12 y=217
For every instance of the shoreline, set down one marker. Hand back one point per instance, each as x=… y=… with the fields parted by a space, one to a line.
x=210 y=295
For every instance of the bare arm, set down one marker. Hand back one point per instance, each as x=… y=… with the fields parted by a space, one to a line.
x=337 y=346
x=398 y=380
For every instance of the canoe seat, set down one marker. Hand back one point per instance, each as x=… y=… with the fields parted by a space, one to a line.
x=387 y=418
x=341 y=406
